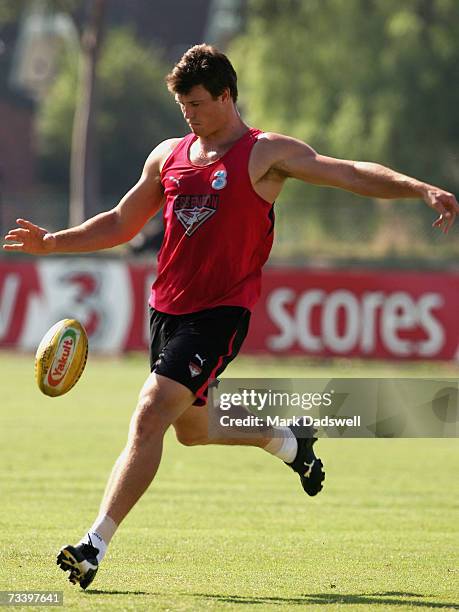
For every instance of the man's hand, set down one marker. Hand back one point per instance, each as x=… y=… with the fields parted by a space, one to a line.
x=29 y=238
x=445 y=204
x=107 y=229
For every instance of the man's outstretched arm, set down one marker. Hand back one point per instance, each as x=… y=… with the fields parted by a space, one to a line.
x=106 y=230
x=293 y=158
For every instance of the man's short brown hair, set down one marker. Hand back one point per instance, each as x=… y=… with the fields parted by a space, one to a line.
x=203 y=65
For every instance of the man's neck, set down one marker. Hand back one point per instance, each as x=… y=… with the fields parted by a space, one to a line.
x=224 y=137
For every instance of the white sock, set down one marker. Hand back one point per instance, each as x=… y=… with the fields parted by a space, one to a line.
x=100 y=534
x=284 y=445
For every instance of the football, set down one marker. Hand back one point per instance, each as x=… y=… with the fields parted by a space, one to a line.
x=61 y=357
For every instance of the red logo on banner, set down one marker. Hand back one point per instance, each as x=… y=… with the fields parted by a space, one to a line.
x=19 y=282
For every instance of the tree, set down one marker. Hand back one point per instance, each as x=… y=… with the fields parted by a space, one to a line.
x=10 y=11
x=84 y=175
x=135 y=113
x=371 y=79
x=87 y=16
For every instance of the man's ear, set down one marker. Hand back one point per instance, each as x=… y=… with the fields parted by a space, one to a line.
x=226 y=95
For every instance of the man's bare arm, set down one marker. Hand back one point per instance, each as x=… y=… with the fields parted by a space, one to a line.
x=293 y=158
x=106 y=230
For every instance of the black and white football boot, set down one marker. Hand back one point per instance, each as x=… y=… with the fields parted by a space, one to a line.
x=306 y=464
x=80 y=561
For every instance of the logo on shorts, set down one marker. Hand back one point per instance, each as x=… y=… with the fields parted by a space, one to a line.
x=195 y=369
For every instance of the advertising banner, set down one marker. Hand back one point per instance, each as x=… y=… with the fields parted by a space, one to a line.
x=109 y=297
x=366 y=314
x=324 y=313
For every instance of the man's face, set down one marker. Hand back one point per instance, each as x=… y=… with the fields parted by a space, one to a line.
x=203 y=113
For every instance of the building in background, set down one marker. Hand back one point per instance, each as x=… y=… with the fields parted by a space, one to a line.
x=30 y=51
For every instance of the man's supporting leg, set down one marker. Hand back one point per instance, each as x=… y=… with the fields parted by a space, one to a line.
x=161 y=402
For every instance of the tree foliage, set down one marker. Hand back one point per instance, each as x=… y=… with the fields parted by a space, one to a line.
x=12 y=10
x=135 y=113
x=360 y=79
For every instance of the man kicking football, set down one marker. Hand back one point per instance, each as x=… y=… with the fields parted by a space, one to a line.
x=217 y=186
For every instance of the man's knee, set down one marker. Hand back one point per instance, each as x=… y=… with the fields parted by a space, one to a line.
x=192 y=428
x=152 y=416
x=190 y=437
x=161 y=402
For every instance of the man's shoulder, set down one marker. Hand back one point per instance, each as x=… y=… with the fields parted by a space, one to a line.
x=270 y=152
x=165 y=148
x=269 y=144
x=274 y=139
x=161 y=152
x=276 y=146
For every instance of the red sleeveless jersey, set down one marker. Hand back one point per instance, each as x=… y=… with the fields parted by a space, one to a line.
x=218 y=232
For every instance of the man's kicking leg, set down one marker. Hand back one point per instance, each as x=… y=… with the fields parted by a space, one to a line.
x=293 y=445
x=161 y=402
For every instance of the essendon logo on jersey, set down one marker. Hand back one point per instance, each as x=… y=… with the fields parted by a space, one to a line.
x=193 y=210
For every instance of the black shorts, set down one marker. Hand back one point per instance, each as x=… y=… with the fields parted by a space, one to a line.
x=193 y=349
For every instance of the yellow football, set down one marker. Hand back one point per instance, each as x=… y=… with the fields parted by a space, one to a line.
x=61 y=357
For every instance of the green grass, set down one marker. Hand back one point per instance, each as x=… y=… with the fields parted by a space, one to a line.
x=225 y=528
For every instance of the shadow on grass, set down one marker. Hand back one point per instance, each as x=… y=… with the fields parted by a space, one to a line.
x=393 y=598
x=100 y=592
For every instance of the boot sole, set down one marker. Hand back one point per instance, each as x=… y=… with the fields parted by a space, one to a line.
x=67 y=562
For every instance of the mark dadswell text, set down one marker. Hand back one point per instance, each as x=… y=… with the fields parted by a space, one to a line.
x=277 y=421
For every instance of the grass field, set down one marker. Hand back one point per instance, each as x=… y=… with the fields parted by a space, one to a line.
x=225 y=528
